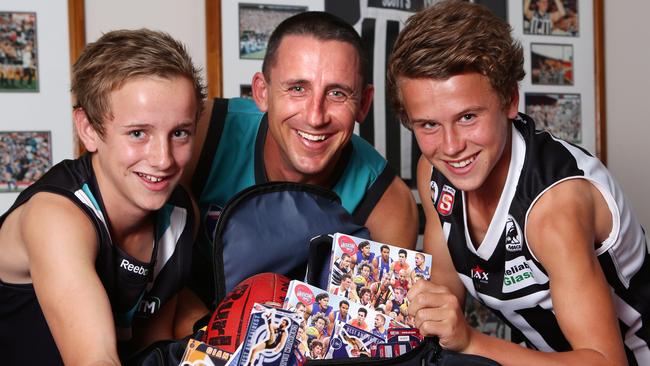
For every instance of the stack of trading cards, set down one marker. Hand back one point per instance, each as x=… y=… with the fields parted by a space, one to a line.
x=270 y=337
x=199 y=353
x=398 y=342
x=351 y=342
x=379 y=274
x=322 y=311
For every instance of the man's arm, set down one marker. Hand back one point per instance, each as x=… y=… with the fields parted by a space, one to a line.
x=527 y=12
x=559 y=13
x=62 y=246
x=395 y=219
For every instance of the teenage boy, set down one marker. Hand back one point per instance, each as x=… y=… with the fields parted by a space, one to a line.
x=572 y=279
x=93 y=254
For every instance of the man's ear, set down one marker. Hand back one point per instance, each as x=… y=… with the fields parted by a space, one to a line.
x=366 y=102
x=85 y=130
x=512 y=108
x=260 y=91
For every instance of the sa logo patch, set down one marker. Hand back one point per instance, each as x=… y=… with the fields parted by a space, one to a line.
x=446 y=202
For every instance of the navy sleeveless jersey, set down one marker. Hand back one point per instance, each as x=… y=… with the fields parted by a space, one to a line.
x=134 y=288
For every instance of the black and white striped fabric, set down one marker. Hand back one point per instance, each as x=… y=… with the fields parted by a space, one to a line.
x=504 y=275
x=541 y=23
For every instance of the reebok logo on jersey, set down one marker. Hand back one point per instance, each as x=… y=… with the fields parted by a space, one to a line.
x=134 y=268
x=446 y=203
x=520 y=273
x=479 y=273
x=513 y=235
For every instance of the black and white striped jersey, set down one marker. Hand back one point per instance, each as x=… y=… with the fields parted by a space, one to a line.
x=505 y=276
x=541 y=23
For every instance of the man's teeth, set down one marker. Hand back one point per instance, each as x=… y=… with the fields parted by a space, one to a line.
x=311 y=137
x=150 y=178
x=461 y=164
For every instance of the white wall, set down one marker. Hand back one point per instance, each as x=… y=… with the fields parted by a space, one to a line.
x=627 y=62
x=184 y=20
x=51 y=108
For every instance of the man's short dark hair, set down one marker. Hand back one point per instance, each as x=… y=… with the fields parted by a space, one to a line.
x=363 y=244
x=320 y=25
x=322 y=296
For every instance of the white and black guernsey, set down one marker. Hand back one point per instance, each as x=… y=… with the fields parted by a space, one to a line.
x=134 y=288
x=505 y=276
x=541 y=23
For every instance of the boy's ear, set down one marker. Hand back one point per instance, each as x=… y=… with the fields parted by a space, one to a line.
x=259 y=88
x=513 y=107
x=85 y=130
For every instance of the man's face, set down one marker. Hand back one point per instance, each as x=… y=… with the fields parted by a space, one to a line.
x=385 y=253
x=402 y=258
x=301 y=310
x=347 y=282
x=403 y=276
x=317 y=351
x=365 y=250
x=345 y=263
x=365 y=271
x=461 y=127
x=320 y=324
x=366 y=297
x=147 y=144
x=361 y=316
x=313 y=98
x=343 y=308
x=418 y=260
x=323 y=302
x=542 y=6
x=379 y=321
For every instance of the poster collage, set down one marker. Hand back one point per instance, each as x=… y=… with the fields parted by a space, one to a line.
x=24 y=155
x=552 y=63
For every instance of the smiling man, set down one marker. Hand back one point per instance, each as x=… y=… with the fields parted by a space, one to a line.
x=532 y=226
x=93 y=254
x=299 y=128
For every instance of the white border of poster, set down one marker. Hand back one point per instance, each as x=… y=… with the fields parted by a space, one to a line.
x=51 y=108
x=584 y=65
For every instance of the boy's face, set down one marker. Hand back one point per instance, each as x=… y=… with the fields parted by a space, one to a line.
x=313 y=98
x=147 y=143
x=461 y=127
